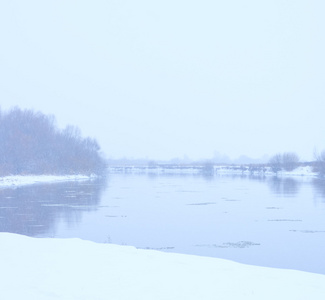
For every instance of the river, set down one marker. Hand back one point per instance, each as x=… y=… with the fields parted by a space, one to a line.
x=266 y=221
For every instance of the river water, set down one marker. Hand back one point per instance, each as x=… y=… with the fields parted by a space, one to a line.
x=266 y=221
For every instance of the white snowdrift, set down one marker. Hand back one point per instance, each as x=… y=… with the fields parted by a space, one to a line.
x=20 y=180
x=33 y=269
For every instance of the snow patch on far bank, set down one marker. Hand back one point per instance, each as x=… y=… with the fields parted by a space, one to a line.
x=265 y=171
x=21 y=180
x=210 y=169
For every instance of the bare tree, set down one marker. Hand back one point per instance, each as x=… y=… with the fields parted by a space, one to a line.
x=276 y=162
x=290 y=161
x=319 y=166
x=287 y=161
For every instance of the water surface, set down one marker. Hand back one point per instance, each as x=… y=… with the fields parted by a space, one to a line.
x=276 y=222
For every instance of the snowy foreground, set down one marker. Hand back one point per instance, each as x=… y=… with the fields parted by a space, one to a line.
x=33 y=269
x=20 y=180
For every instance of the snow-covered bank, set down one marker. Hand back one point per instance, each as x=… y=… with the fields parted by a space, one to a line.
x=265 y=171
x=212 y=170
x=33 y=269
x=20 y=180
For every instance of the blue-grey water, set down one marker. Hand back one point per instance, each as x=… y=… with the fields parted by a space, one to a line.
x=275 y=222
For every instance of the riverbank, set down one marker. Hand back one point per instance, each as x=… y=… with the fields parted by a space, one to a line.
x=266 y=171
x=46 y=269
x=210 y=169
x=22 y=180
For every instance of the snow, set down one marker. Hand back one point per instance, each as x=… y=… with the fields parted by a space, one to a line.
x=306 y=171
x=46 y=269
x=20 y=180
x=299 y=171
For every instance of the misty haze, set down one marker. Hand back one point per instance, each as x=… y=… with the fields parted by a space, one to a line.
x=162 y=150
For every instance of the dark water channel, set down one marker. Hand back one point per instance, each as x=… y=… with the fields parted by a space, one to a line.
x=276 y=222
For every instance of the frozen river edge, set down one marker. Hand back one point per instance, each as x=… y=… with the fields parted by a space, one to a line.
x=22 y=180
x=33 y=268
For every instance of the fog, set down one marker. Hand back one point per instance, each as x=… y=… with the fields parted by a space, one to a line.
x=164 y=79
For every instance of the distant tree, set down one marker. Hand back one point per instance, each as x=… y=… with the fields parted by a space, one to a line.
x=319 y=165
x=208 y=168
x=287 y=161
x=290 y=161
x=152 y=164
x=275 y=162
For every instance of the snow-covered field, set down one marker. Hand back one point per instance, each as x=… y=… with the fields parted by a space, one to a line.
x=45 y=269
x=20 y=180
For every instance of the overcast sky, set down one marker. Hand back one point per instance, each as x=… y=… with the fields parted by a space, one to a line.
x=163 y=79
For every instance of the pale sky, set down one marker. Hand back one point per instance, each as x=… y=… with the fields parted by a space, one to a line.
x=164 y=79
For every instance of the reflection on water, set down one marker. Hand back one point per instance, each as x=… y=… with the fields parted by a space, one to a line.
x=34 y=210
x=266 y=221
x=319 y=185
x=284 y=186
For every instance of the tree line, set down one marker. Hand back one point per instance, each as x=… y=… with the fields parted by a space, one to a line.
x=31 y=143
x=289 y=161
